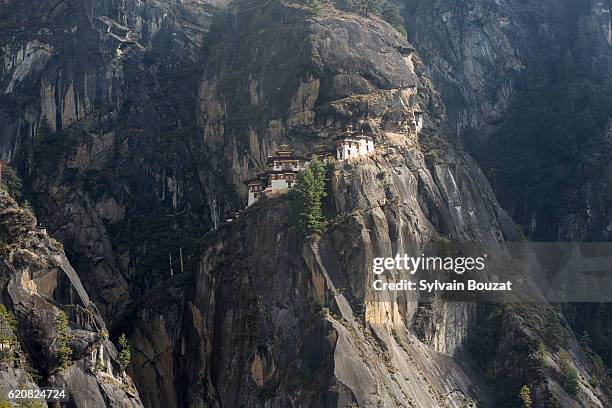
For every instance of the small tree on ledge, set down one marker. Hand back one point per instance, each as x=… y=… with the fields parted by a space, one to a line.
x=64 y=352
x=125 y=354
x=310 y=191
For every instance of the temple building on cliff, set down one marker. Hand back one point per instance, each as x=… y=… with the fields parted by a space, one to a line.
x=284 y=166
x=351 y=145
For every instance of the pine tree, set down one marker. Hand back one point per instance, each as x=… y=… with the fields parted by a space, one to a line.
x=8 y=341
x=569 y=375
x=64 y=352
x=11 y=183
x=125 y=353
x=554 y=333
x=585 y=341
x=310 y=190
x=367 y=7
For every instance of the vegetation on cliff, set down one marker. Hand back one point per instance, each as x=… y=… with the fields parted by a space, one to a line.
x=309 y=193
x=10 y=182
x=8 y=340
x=62 y=340
x=125 y=353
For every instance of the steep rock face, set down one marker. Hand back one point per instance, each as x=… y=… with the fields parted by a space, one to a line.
x=527 y=88
x=271 y=320
x=66 y=59
x=95 y=113
x=37 y=282
x=292 y=82
x=256 y=313
x=482 y=53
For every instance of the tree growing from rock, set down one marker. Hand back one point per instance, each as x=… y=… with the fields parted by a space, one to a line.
x=391 y=14
x=8 y=341
x=62 y=339
x=367 y=7
x=310 y=191
x=125 y=353
x=569 y=375
x=554 y=333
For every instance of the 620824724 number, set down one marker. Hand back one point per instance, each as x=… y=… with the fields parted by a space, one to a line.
x=48 y=394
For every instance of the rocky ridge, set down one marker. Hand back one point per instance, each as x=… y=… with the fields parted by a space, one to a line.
x=38 y=284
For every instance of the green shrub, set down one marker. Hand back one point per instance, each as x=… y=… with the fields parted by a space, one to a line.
x=103 y=334
x=8 y=340
x=367 y=7
x=525 y=397
x=599 y=371
x=7 y=320
x=11 y=183
x=315 y=6
x=555 y=335
x=391 y=14
x=569 y=375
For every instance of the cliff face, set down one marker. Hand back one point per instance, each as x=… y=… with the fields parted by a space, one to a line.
x=134 y=125
x=37 y=283
x=98 y=112
x=527 y=87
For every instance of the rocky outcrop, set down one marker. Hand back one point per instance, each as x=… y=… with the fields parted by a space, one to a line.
x=38 y=285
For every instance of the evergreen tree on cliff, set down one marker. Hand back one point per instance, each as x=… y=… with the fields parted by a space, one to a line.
x=310 y=190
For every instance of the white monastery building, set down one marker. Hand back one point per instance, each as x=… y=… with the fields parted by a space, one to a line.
x=284 y=166
x=351 y=145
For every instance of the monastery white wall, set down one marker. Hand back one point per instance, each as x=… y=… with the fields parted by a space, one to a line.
x=279 y=184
